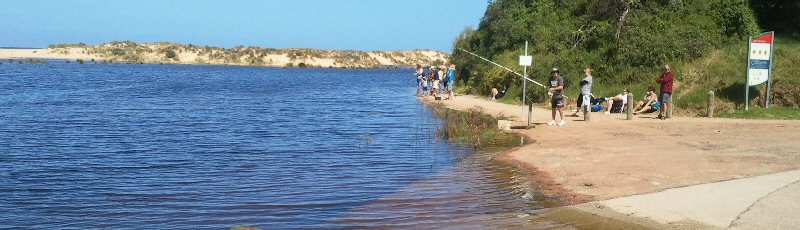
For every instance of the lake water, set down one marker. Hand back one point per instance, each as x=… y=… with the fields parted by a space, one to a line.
x=209 y=147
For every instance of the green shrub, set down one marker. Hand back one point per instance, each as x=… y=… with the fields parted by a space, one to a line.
x=118 y=52
x=170 y=54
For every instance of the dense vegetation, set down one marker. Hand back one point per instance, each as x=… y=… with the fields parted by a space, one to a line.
x=626 y=41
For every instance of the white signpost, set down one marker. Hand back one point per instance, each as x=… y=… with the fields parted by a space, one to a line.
x=524 y=61
x=759 y=65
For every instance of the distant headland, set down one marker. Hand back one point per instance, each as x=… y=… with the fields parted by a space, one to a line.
x=173 y=53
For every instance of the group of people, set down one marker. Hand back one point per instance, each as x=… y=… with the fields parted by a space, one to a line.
x=649 y=103
x=433 y=80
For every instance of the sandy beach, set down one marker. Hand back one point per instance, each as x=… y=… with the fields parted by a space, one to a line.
x=610 y=157
x=71 y=53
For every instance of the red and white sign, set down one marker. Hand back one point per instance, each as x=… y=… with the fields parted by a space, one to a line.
x=759 y=59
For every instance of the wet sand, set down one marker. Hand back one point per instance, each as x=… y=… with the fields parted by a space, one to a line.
x=610 y=157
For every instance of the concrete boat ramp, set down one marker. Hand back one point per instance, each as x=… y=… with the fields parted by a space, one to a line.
x=760 y=202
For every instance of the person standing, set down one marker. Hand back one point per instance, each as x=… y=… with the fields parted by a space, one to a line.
x=585 y=97
x=557 y=97
x=431 y=76
x=437 y=77
x=451 y=76
x=665 y=97
x=425 y=80
x=440 y=79
x=418 y=73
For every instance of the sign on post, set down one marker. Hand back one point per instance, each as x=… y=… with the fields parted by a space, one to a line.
x=525 y=60
x=759 y=64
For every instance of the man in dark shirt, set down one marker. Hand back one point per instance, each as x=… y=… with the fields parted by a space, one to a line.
x=665 y=97
x=557 y=97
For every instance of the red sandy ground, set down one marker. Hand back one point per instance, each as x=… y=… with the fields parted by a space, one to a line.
x=611 y=157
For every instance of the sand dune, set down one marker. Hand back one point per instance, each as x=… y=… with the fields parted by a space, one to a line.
x=189 y=54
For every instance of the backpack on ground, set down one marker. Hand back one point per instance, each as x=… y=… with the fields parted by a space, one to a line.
x=596 y=107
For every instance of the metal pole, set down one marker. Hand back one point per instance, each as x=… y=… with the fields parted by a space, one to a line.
x=524 y=75
x=769 y=73
x=530 y=114
x=746 y=77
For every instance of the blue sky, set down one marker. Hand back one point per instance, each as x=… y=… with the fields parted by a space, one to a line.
x=325 y=24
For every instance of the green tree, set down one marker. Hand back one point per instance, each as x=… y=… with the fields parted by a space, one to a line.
x=623 y=40
x=778 y=15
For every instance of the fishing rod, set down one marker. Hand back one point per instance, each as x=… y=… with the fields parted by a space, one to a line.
x=506 y=68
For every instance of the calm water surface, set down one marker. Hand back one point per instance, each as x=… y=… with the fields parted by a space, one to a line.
x=195 y=147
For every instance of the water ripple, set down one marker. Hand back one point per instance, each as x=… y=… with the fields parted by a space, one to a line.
x=199 y=147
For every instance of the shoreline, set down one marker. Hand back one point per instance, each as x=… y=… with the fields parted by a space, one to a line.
x=617 y=159
x=169 y=53
x=99 y=60
x=540 y=180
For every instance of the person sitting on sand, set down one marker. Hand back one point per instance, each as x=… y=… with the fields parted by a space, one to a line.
x=617 y=102
x=497 y=95
x=648 y=104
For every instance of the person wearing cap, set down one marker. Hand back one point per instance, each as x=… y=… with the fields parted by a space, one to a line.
x=556 y=97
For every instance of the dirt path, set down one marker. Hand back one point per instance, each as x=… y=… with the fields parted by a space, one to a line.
x=611 y=157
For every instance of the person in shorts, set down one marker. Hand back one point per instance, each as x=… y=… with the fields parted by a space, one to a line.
x=665 y=97
x=555 y=90
x=648 y=104
x=451 y=76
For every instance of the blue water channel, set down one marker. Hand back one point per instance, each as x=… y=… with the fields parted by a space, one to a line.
x=132 y=146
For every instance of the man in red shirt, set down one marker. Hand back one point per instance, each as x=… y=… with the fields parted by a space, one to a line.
x=665 y=97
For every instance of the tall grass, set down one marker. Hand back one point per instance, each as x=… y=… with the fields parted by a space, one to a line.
x=764 y=113
x=472 y=127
